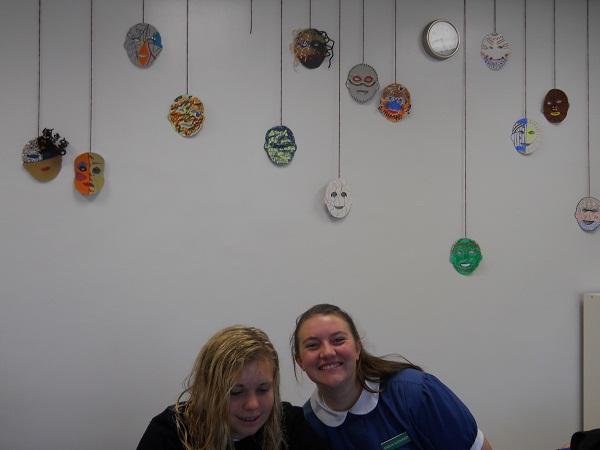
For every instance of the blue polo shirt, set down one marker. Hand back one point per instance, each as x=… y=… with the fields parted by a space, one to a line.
x=414 y=411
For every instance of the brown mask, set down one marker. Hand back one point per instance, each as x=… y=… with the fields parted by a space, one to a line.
x=556 y=106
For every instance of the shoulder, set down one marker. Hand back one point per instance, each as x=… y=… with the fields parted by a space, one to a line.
x=161 y=433
x=299 y=434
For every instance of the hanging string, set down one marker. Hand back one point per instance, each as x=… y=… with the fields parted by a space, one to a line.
x=525 y=59
x=91 y=69
x=309 y=13
x=280 y=62
x=187 y=46
x=363 y=31
x=554 y=42
x=251 y=10
x=339 y=91
x=143 y=11
x=587 y=64
x=494 y=16
x=395 y=38
x=465 y=114
x=39 y=86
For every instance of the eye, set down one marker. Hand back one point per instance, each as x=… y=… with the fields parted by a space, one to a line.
x=368 y=79
x=82 y=168
x=334 y=194
x=236 y=391
x=339 y=340
x=311 y=345
x=96 y=170
x=343 y=194
x=531 y=132
x=357 y=78
x=558 y=102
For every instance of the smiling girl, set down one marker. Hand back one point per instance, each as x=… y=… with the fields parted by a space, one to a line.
x=232 y=402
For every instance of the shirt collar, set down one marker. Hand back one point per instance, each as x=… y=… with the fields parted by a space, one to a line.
x=364 y=405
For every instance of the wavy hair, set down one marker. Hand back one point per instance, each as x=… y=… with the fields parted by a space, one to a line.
x=202 y=409
x=368 y=367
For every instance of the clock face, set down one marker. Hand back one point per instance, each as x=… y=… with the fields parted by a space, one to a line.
x=441 y=39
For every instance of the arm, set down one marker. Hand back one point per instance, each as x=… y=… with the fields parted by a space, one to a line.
x=486 y=445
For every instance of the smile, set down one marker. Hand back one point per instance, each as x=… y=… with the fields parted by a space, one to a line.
x=555 y=113
x=338 y=207
x=330 y=366
x=249 y=419
x=465 y=264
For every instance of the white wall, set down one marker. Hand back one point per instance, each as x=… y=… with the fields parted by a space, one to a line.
x=105 y=303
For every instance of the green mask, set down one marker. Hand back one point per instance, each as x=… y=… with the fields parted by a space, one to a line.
x=465 y=256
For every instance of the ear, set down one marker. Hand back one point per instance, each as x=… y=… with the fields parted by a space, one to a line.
x=358 y=350
x=299 y=361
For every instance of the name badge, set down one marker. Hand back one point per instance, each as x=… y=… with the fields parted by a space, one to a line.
x=396 y=442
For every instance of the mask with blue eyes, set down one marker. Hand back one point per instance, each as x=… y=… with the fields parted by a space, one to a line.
x=525 y=136
x=395 y=102
x=143 y=44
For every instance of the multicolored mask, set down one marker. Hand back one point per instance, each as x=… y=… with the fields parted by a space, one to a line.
x=186 y=114
x=280 y=145
x=89 y=173
x=338 y=198
x=556 y=106
x=142 y=44
x=495 y=51
x=362 y=83
x=526 y=136
x=587 y=213
x=311 y=47
x=42 y=156
x=465 y=256
x=395 y=103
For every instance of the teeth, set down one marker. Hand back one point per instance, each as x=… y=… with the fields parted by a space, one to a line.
x=330 y=366
x=248 y=419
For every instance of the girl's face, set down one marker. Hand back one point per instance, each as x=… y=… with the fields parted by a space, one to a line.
x=251 y=399
x=328 y=352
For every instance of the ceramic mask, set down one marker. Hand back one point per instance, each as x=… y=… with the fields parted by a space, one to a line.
x=142 y=44
x=186 y=115
x=338 y=198
x=556 y=106
x=495 y=51
x=465 y=256
x=280 y=145
x=42 y=156
x=311 y=47
x=395 y=103
x=89 y=173
x=525 y=136
x=587 y=213
x=362 y=83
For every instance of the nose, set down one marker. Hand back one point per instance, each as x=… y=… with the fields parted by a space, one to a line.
x=327 y=350
x=251 y=402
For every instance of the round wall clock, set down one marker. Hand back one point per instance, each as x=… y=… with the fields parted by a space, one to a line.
x=441 y=39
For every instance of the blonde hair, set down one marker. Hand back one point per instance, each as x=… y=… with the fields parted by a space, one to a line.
x=202 y=409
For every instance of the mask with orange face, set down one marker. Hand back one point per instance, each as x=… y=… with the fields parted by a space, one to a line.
x=89 y=173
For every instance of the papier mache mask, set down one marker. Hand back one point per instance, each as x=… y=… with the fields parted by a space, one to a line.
x=587 y=213
x=395 y=102
x=42 y=156
x=526 y=136
x=338 y=198
x=186 y=114
x=556 y=106
x=362 y=82
x=89 y=173
x=311 y=47
x=142 y=44
x=495 y=51
x=465 y=256
x=280 y=145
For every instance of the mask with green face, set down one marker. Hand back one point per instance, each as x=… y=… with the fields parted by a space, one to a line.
x=465 y=256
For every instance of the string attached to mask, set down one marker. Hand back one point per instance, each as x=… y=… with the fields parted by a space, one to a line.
x=465 y=253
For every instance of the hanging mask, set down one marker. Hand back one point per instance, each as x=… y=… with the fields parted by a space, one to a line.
x=89 y=173
x=465 y=256
x=495 y=51
x=587 y=213
x=362 y=83
x=395 y=103
x=556 y=106
x=42 y=156
x=186 y=115
x=280 y=145
x=311 y=47
x=338 y=198
x=142 y=44
x=526 y=136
